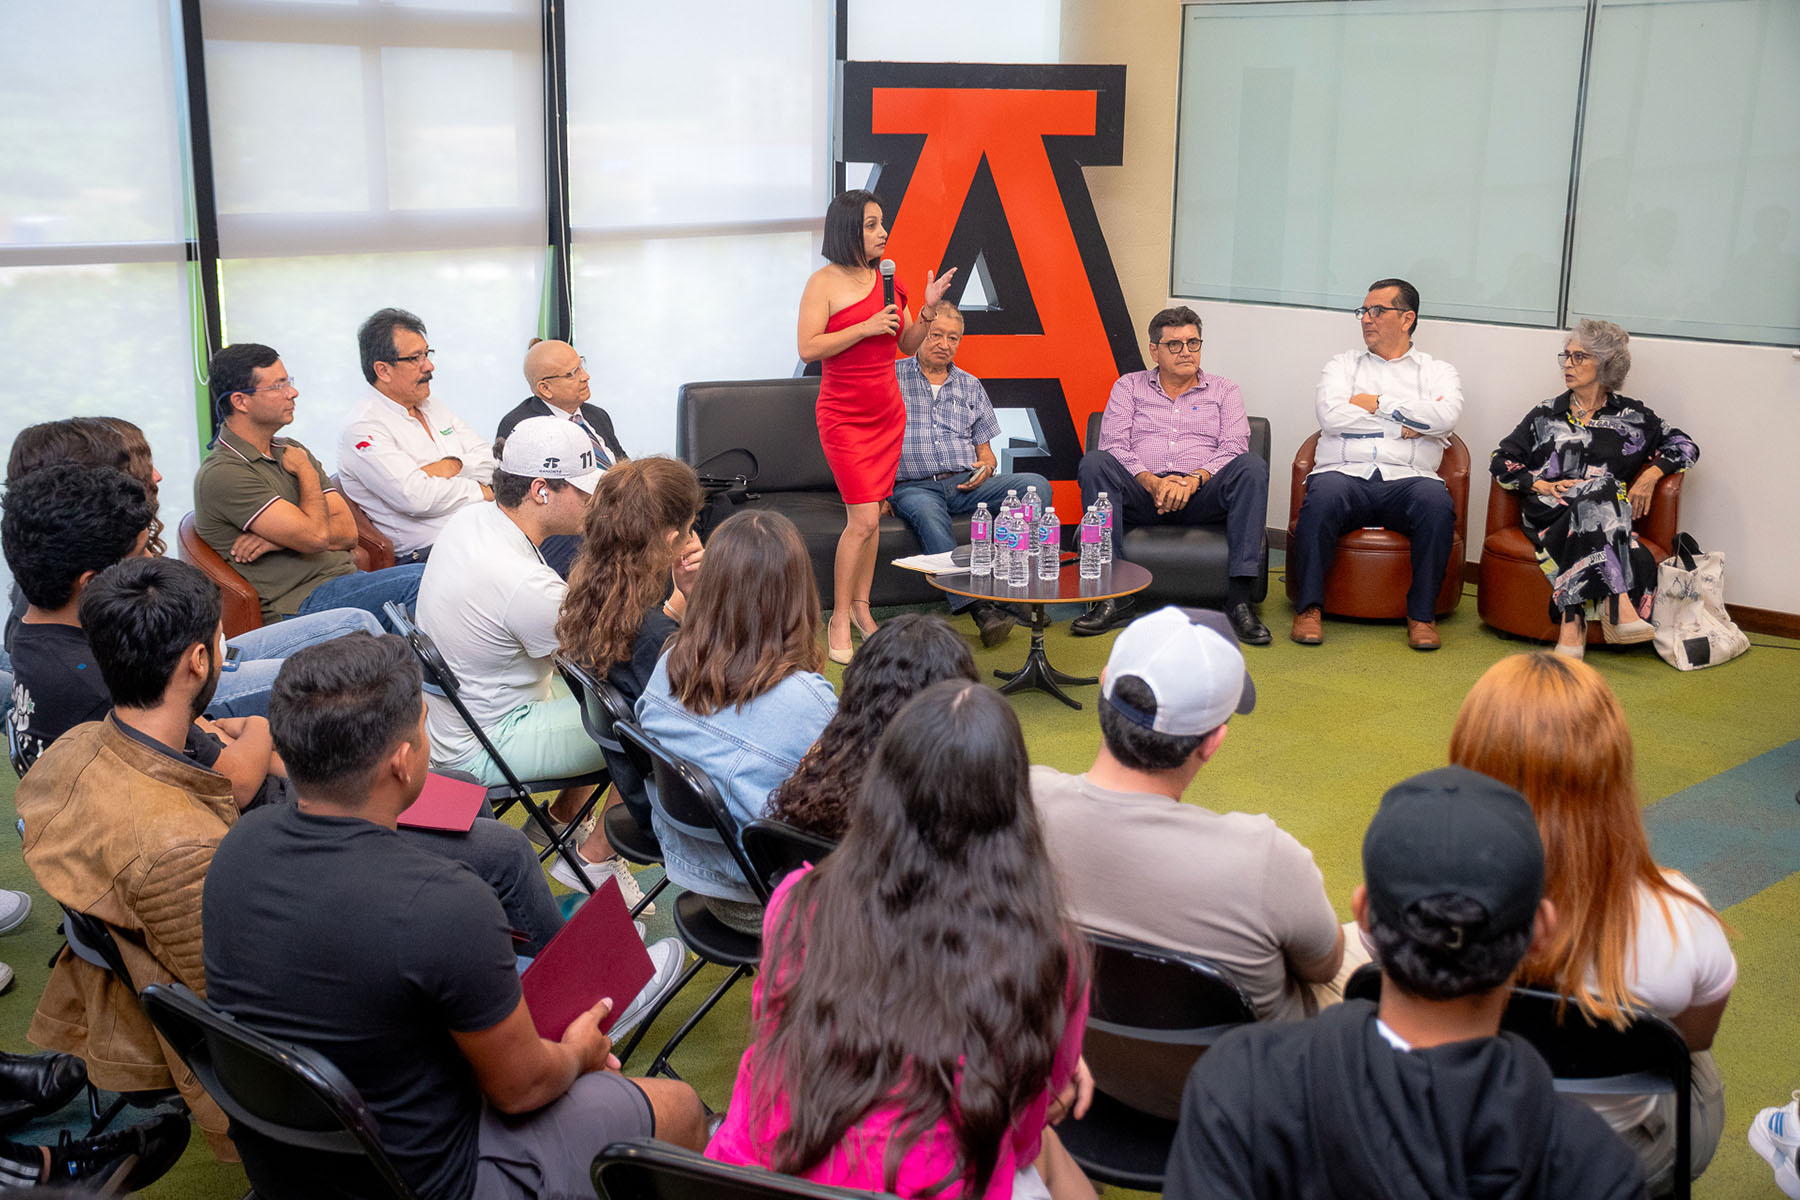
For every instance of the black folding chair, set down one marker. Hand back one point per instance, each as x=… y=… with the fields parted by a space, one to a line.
x=1151 y=1014
x=1648 y=1057
x=646 y=1169
x=690 y=802
x=91 y=940
x=441 y=680
x=278 y=1093
x=602 y=705
x=776 y=849
x=15 y=750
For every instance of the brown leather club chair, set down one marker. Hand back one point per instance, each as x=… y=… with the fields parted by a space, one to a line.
x=242 y=608
x=1373 y=567
x=1514 y=593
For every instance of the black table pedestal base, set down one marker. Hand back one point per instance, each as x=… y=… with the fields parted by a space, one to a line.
x=1037 y=671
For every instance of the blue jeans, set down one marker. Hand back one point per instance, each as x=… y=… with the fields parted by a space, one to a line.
x=928 y=504
x=244 y=690
x=367 y=590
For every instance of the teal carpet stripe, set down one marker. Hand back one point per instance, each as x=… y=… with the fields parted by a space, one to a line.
x=1736 y=833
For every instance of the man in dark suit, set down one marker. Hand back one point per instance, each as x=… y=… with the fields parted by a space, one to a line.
x=559 y=388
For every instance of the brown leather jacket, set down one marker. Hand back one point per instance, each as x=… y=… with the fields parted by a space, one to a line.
x=124 y=832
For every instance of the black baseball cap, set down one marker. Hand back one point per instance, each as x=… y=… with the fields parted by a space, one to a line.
x=1455 y=832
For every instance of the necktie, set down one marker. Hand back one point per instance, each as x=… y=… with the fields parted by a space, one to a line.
x=600 y=453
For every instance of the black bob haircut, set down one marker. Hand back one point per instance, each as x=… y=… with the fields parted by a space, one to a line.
x=843 y=228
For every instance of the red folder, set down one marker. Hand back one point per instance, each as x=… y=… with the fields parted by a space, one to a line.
x=597 y=954
x=447 y=804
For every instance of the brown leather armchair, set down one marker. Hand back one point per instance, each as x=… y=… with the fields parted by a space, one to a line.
x=1373 y=567
x=242 y=607
x=1514 y=593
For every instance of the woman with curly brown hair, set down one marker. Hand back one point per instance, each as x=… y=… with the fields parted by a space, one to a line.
x=901 y=659
x=628 y=589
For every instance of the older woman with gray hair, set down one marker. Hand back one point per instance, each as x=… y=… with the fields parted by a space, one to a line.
x=1587 y=463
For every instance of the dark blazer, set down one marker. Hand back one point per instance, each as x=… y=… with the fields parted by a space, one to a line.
x=593 y=414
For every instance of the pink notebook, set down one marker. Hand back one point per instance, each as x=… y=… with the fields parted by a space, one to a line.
x=597 y=954
x=445 y=803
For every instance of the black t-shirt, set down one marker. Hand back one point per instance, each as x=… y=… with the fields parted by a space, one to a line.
x=56 y=684
x=334 y=933
x=631 y=678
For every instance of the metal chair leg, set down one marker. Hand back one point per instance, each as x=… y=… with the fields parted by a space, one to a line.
x=660 y=1065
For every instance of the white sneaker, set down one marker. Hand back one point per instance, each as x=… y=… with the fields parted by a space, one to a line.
x=6 y=977
x=597 y=873
x=1775 y=1134
x=14 y=908
x=668 y=957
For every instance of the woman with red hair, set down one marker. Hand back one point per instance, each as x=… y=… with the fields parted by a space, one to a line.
x=1629 y=934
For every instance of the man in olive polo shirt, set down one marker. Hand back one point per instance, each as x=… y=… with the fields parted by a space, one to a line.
x=268 y=507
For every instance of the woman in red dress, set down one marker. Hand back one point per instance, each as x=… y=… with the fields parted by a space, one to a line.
x=845 y=323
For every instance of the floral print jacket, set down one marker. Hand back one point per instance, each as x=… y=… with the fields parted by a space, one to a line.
x=1620 y=440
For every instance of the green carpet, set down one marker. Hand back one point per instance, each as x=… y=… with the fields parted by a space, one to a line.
x=1333 y=727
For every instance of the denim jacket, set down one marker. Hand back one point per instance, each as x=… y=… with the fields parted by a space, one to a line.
x=746 y=752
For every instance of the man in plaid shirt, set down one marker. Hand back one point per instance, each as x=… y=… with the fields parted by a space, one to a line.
x=946 y=464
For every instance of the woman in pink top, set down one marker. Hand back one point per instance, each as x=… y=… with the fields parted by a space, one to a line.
x=917 y=1025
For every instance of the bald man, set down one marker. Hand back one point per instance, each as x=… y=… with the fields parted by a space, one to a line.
x=558 y=379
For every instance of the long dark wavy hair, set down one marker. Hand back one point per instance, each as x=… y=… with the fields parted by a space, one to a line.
x=142 y=469
x=905 y=656
x=926 y=965
x=753 y=619
x=636 y=520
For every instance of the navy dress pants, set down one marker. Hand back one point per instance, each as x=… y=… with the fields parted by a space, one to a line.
x=1335 y=503
x=1237 y=497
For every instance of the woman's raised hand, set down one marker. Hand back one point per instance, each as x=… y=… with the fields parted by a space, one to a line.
x=936 y=285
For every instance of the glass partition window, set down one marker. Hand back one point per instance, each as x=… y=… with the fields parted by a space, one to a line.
x=370 y=155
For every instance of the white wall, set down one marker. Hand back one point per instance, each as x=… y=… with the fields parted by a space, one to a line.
x=1740 y=403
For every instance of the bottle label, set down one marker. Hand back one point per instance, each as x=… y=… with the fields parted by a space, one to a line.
x=1106 y=519
x=1090 y=534
x=1049 y=535
x=978 y=530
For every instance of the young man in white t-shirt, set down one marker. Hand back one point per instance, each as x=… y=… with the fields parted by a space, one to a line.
x=490 y=603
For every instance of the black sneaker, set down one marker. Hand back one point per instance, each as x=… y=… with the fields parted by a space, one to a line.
x=125 y=1161
x=994 y=622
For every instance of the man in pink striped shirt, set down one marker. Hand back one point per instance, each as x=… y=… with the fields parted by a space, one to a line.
x=1175 y=450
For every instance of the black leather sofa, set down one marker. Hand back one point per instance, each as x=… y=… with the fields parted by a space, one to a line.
x=774 y=420
x=1187 y=564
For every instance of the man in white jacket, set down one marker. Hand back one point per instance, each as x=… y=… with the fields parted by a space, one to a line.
x=1385 y=416
x=408 y=461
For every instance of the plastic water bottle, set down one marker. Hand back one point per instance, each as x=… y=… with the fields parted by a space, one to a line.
x=1018 y=567
x=981 y=543
x=1049 y=544
x=1103 y=507
x=1002 y=564
x=1092 y=534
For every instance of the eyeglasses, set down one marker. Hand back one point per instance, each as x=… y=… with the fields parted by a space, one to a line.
x=1176 y=345
x=280 y=385
x=428 y=352
x=580 y=366
x=1574 y=358
x=1376 y=311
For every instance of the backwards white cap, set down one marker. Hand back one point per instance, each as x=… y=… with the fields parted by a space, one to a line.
x=1190 y=661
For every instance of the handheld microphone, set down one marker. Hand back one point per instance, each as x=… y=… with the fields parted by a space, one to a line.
x=887 y=281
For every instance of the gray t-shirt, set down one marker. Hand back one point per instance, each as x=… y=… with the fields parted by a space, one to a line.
x=1230 y=886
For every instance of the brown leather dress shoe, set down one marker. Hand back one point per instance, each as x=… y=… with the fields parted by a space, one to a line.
x=1309 y=627
x=1422 y=635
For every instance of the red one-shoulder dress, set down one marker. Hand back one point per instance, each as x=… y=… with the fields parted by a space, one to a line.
x=862 y=419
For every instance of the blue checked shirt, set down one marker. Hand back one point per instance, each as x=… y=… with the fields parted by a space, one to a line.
x=942 y=431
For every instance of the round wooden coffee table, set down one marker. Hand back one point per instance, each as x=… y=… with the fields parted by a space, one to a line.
x=1116 y=579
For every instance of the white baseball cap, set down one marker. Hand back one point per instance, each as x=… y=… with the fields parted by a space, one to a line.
x=1190 y=661
x=548 y=448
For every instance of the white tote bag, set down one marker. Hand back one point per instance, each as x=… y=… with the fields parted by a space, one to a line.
x=1692 y=627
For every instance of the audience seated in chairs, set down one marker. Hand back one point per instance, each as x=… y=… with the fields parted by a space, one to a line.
x=490 y=604
x=1421 y=1096
x=1550 y=727
x=905 y=656
x=266 y=505
x=1138 y=863
x=738 y=692
x=917 y=1027
x=405 y=458
x=629 y=587
x=325 y=930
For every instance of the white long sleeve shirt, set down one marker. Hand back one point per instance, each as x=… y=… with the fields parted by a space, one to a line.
x=379 y=456
x=1414 y=391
